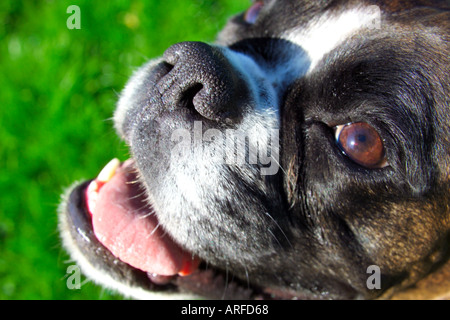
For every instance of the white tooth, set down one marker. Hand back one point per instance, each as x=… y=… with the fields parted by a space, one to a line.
x=108 y=171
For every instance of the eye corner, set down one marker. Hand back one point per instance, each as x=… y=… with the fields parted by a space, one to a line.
x=338 y=129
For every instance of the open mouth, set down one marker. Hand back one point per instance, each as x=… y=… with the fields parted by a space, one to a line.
x=125 y=223
x=113 y=209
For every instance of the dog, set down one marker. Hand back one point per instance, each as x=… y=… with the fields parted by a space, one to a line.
x=303 y=155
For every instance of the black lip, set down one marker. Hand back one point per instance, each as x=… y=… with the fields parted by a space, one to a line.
x=79 y=215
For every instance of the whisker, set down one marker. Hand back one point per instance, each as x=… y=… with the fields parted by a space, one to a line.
x=137 y=181
x=226 y=283
x=279 y=228
x=247 y=278
x=154 y=230
x=143 y=193
x=276 y=239
x=147 y=215
x=279 y=166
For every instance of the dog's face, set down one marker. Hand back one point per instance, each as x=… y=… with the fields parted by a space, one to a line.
x=308 y=145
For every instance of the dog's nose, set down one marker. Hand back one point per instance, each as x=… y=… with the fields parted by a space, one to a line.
x=203 y=79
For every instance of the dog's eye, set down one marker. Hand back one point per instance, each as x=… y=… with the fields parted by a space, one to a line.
x=362 y=143
x=253 y=12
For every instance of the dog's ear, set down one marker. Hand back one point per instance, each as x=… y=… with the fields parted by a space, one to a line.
x=436 y=286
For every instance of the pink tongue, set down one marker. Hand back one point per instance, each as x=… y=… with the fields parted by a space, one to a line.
x=124 y=224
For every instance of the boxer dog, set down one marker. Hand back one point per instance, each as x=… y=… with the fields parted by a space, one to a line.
x=304 y=155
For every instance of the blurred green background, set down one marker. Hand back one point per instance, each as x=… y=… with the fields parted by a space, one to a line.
x=58 y=88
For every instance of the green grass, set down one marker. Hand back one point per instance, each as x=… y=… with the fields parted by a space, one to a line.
x=58 y=88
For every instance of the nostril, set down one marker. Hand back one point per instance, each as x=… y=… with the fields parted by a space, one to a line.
x=187 y=97
x=167 y=66
x=202 y=79
x=161 y=70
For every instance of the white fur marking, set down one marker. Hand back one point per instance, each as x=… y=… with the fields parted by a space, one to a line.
x=327 y=32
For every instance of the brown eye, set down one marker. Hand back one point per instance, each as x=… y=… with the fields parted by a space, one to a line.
x=253 y=12
x=362 y=143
